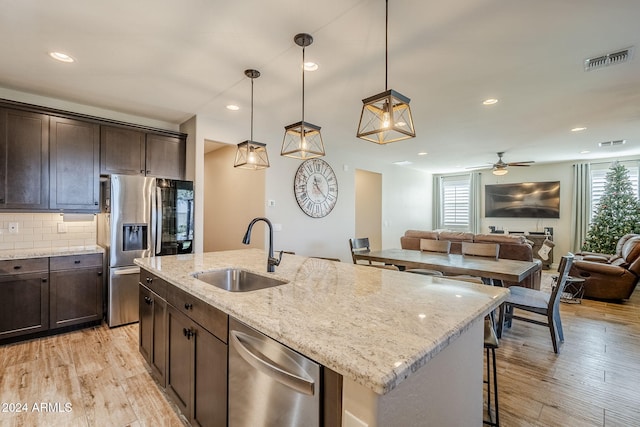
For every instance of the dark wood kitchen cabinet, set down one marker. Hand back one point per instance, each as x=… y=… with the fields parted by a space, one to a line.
x=24 y=292
x=134 y=152
x=197 y=359
x=24 y=160
x=74 y=153
x=165 y=156
x=153 y=324
x=122 y=151
x=75 y=290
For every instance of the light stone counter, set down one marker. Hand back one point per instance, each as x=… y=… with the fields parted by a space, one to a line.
x=375 y=327
x=6 y=255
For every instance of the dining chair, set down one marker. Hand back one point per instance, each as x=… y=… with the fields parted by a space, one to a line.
x=486 y=250
x=359 y=246
x=539 y=302
x=440 y=246
x=431 y=245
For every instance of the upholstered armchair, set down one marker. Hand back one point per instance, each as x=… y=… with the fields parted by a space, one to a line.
x=610 y=277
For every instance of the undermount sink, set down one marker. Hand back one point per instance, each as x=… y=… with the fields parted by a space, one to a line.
x=238 y=280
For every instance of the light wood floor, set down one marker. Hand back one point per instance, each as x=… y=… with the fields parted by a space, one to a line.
x=594 y=381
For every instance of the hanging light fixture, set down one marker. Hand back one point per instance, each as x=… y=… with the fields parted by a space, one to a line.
x=251 y=154
x=386 y=117
x=302 y=140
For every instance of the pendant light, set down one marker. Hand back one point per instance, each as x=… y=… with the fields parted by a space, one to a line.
x=386 y=117
x=302 y=140
x=251 y=154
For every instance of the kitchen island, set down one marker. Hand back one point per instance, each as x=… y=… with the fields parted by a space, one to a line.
x=409 y=347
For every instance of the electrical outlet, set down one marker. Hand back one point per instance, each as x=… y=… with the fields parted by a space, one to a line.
x=13 y=228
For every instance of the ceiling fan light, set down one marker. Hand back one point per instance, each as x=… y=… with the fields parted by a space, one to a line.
x=500 y=171
x=386 y=117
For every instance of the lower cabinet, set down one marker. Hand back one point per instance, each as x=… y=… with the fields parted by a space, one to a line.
x=24 y=294
x=153 y=332
x=187 y=358
x=197 y=371
x=75 y=290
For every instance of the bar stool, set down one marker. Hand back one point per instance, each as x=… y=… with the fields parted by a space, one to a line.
x=490 y=345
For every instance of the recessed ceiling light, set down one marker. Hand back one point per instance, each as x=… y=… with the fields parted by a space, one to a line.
x=422 y=153
x=578 y=129
x=310 y=66
x=62 y=57
x=490 y=101
x=233 y=107
x=585 y=152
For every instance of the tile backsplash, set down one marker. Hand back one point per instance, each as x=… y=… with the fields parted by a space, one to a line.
x=45 y=230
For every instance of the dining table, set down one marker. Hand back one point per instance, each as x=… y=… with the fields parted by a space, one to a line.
x=497 y=269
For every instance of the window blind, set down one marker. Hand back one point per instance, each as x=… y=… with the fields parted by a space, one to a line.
x=456 y=193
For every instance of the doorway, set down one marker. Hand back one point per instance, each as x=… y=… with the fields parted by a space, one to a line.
x=369 y=207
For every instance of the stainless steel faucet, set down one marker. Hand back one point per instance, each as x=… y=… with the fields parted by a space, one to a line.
x=271 y=261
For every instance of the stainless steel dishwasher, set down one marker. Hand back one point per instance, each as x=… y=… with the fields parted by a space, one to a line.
x=270 y=384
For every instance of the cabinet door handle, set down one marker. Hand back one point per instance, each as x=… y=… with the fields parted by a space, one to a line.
x=148 y=300
x=188 y=306
x=188 y=333
x=44 y=280
x=99 y=273
x=76 y=261
x=17 y=267
x=149 y=280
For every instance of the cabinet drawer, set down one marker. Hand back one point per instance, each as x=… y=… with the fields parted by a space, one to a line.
x=75 y=261
x=212 y=319
x=21 y=266
x=154 y=283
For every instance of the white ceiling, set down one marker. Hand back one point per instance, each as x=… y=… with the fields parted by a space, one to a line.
x=168 y=60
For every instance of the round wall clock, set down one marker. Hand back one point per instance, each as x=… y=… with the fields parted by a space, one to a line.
x=316 y=188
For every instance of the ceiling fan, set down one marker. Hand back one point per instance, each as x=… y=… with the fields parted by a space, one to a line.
x=500 y=167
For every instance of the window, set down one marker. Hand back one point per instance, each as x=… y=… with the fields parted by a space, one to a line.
x=455 y=194
x=599 y=178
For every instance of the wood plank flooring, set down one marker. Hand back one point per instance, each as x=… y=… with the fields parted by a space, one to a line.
x=594 y=381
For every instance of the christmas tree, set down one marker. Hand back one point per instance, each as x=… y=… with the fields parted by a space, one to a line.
x=616 y=214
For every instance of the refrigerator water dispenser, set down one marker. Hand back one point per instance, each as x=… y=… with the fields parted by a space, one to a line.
x=134 y=237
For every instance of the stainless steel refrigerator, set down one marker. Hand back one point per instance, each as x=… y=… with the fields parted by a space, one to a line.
x=141 y=217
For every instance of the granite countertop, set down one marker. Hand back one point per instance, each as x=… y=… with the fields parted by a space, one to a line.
x=371 y=325
x=48 y=252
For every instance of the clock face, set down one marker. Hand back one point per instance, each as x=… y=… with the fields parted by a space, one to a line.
x=316 y=188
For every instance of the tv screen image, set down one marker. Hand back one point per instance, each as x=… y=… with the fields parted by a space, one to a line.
x=523 y=200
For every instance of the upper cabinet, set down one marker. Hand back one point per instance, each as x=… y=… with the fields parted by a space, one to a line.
x=121 y=151
x=51 y=160
x=74 y=153
x=165 y=156
x=133 y=152
x=24 y=160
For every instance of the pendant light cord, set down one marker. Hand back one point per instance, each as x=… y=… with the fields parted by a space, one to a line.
x=303 y=83
x=386 y=45
x=252 y=109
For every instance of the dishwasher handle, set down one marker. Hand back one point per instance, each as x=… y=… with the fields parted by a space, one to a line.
x=293 y=381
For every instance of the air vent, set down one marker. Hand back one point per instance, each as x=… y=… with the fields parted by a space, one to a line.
x=612 y=143
x=617 y=57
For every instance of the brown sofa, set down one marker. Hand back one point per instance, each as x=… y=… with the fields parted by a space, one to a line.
x=610 y=276
x=511 y=247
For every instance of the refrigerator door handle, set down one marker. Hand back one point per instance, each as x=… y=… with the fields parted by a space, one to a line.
x=156 y=221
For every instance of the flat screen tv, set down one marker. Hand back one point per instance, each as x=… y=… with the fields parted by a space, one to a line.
x=523 y=200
